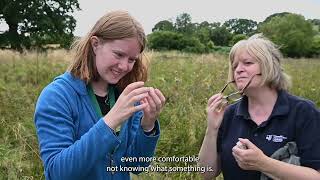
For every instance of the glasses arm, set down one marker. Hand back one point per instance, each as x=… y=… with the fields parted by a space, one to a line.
x=248 y=83
x=238 y=92
x=225 y=86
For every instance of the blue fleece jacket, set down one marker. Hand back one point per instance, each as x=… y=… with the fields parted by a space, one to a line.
x=75 y=143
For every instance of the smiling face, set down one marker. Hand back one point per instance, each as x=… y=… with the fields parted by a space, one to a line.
x=244 y=68
x=114 y=59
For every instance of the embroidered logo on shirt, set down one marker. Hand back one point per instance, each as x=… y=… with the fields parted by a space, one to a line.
x=275 y=138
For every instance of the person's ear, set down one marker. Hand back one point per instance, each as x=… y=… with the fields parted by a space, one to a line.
x=94 y=41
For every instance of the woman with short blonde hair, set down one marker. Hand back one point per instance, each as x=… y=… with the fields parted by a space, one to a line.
x=269 y=58
x=261 y=120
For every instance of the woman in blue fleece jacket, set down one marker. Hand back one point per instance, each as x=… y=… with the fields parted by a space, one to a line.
x=96 y=114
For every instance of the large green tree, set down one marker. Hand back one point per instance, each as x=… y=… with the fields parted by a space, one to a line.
x=169 y=40
x=275 y=15
x=291 y=32
x=220 y=36
x=316 y=25
x=183 y=23
x=33 y=23
x=164 y=25
x=241 y=26
x=202 y=31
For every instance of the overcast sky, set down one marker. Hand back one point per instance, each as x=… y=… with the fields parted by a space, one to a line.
x=149 y=12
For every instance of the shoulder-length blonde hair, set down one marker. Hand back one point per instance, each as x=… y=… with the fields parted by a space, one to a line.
x=112 y=26
x=269 y=58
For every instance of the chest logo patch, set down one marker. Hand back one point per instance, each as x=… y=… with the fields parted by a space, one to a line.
x=275 y=138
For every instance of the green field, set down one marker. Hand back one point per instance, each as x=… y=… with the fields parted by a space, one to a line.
x=187 y=80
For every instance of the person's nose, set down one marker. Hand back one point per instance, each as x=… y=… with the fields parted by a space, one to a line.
x=123 y=65
x=239 y=68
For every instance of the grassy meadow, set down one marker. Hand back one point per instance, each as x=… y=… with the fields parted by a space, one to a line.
x=187 y=80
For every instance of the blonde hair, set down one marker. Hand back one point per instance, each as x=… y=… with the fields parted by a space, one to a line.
x=112 y=26
x=269 y=58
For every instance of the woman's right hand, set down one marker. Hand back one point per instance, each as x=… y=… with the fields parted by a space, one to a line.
x=215 y=111
x=124 y=107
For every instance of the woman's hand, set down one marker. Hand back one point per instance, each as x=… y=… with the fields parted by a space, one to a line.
x=215 y=111
x=124 y=107
x=250 y=157
x=154 y=103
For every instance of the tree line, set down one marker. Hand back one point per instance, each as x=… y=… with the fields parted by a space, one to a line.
x=296 y=36
x=33 y=24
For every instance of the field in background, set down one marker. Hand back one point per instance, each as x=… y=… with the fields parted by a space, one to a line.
x=187 y=80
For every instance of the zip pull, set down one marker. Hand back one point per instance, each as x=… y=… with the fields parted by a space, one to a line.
x=112 y=164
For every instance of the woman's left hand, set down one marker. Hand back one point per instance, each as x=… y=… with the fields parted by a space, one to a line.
x=250 y=157
x=155 y=101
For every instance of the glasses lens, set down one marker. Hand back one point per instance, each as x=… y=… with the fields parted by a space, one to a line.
x=233 y=97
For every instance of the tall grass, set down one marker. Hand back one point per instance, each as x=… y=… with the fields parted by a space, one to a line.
x=187 y=80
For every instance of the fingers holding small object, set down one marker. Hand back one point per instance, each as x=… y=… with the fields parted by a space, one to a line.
x=152 y=104
x=138 y=107
x=221 y=105
x=138 y=91
x=161 y=97
x=132 y=87
x=218 y=103
x=213 y=98
x=137 y=98
x=241 y=145
x=155 y=99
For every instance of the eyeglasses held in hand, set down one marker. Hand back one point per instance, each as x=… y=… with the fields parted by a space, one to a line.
x=232 y=97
